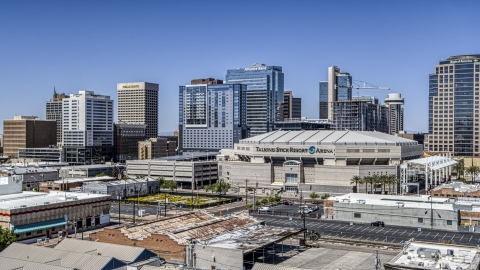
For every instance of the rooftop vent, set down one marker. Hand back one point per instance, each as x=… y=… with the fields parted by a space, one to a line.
x=46 y=203
x=23 y=205
x=361 y=201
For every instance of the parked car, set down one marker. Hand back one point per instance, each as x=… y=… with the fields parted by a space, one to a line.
x=378 y=224
x=287 y=203
x=264 y=209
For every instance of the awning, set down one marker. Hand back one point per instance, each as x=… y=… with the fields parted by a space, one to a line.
x=37 y=226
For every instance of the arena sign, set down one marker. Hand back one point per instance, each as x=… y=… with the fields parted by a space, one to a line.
x=310 y=150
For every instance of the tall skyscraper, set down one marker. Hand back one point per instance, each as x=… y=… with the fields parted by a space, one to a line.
x=138 y=104
x=292 y=107
x=360 y=116
x=211 y=116
x=54 y=112
x=394 y=103
x=265 y=86
x=27 y=132
x=87 y=128
x=453 y=116
x=336 y=88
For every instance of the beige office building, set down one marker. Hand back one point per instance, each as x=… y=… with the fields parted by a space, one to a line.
x=138 y=104
x=27 y=132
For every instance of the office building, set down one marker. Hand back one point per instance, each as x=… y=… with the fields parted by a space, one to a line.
x=27 y=132
x=453 y=113
x=87 y=128
x=292 y=107
x=319 y=160
x=419 y=137
x=303 y=124
x=126 y=138
x=212 y=116
x=157 y=147
x=338 y=87
x=265 y=87
x=206 y=81
x=138 y=104
x=54 y=111
x=394 y=104
x=360 y=116
x=1 y=140
x=47 y=154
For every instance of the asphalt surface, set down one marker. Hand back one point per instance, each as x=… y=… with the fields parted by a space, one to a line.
x=389 y=233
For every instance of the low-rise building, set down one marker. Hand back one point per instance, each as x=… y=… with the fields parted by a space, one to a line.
x=49 y=154
x=84 y=171
x=187 y=174
x=419 y=212
x=456 y=189
x=30 y=214
x=123 y=188
x=74 y=184
x=157 y=147
x=420 y=255
x=31 y=176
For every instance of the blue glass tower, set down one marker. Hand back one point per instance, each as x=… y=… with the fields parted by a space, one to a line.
x=453 y=106
x=265 y=87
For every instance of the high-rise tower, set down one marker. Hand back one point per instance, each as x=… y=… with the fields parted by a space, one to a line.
x=394 y=103
x=453 y=111
x=336 y=88
x=54 y=112
x=138 y=104
x=265 y=86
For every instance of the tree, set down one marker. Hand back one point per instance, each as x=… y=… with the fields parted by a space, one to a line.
x=101 y=174
x=271 y=199
x=314 y=196
x=459 y=168
x=6 y=238
x=258 y=203
x=139 y=176
x=220 y=187
x=208 y=188
x=169 y=184
x=115 y=172
x=355 y=180
x=250 y=189
x=473 y=170
x=325 y=196
x=366 y=180
x=249 y=205
x=264 y=200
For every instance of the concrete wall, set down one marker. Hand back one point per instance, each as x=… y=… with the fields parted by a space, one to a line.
x=393 y=215
x=221 y=258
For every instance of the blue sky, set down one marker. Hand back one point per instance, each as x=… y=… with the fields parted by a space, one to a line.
x=93 y=45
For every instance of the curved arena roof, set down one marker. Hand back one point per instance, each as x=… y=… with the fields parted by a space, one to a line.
x=327 y=137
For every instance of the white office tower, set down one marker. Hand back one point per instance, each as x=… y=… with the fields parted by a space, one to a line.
x=138 y=104
x=394 y=103
x=87 y=120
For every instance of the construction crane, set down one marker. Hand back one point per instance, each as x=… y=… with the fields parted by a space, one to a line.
x=362 y=85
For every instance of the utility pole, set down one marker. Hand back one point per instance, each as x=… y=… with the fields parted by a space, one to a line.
x=377 y=261
x=246 y=195
x=119 y=198
x=134 y=206
x=303 y=214
x=431 y=211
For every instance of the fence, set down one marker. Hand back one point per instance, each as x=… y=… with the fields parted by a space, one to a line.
x=316 y=215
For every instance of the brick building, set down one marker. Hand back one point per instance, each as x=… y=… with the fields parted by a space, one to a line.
x=456 y=189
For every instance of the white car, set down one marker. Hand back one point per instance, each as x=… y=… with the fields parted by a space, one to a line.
x=264 y=209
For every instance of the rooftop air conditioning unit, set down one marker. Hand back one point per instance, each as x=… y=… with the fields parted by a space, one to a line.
x=46 y=203
x=23 y=205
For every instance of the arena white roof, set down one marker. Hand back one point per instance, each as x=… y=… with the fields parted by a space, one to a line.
x=327 y=137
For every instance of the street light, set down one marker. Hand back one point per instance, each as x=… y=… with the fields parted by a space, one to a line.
x=431 y=212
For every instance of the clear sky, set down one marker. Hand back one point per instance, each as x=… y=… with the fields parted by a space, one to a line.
x=93 y=45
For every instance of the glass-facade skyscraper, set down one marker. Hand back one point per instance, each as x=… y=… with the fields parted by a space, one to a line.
x=265 y=87
x=453 y=106
x=338 y=87
x=211 y=116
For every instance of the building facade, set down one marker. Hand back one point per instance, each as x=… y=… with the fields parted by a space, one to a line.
x=303 y=124
x=212 y=116
x=323 y=160
x=360 y=116
x=394 y=104
x=54 y=111
x=138 y=104
x=50 y=154
x=265 y=87
x=292 y=107
x=27 y=132
x=87 y=120
x=127 y=137
x=338 y=87
x=157 y=147
x=87 y=128
x=453 y=106
x=188 y=175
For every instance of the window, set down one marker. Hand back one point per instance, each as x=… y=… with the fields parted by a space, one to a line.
x=291 y=178
x=449 y=222
x=420 y=220
x=357 y=215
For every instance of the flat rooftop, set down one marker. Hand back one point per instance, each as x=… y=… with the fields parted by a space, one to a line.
x=250 y=238
x=395 y=201
x=412 y=255
x=459 y=187
x=31 y=199
x=87 y=179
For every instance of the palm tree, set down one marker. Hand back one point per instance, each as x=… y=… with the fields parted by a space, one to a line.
x=355 y=180
x=375 y=181
x=314 y=196
x=473 y=170
x=367 y=179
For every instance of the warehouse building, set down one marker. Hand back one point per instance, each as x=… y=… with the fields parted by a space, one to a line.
x=30 y=214
x=321 y=160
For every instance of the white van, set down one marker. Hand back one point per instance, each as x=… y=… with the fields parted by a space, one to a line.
x=264 y=209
